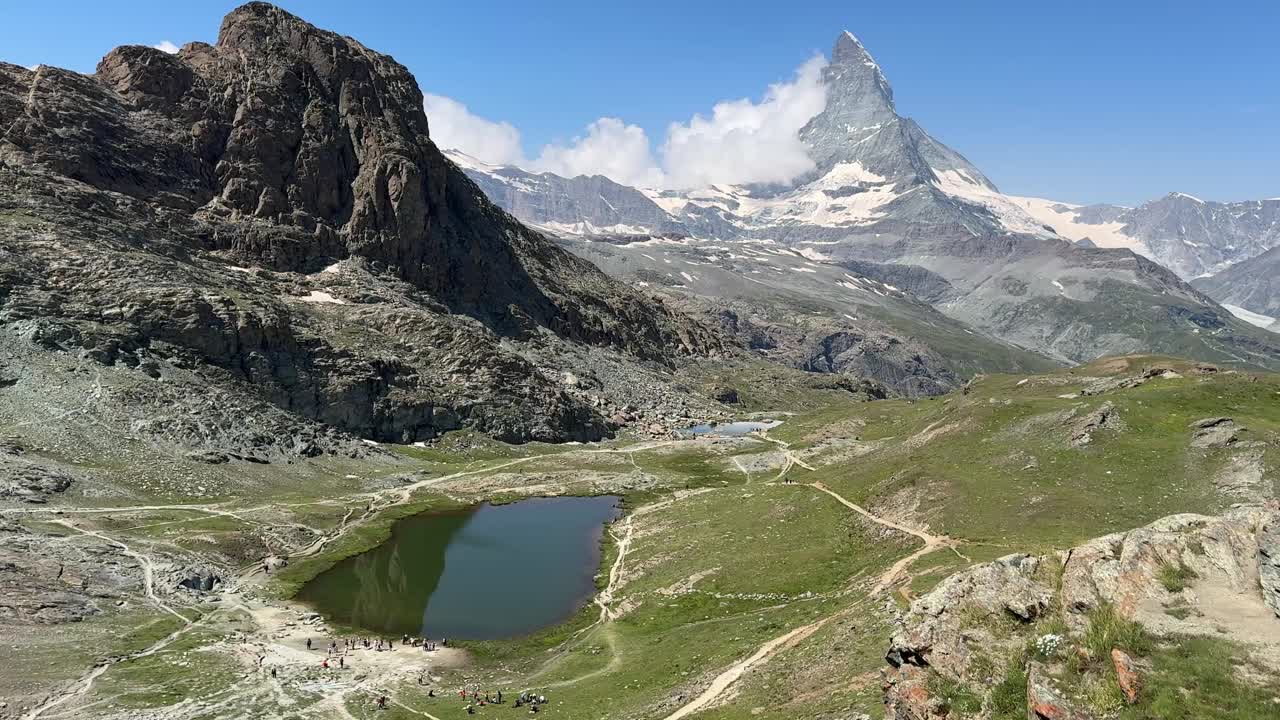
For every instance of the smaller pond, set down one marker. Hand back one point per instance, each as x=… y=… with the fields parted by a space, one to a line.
x=481 y=573
x=739 y=427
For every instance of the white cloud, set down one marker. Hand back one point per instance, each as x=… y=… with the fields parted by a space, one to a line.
x=744 y=141
x=454 y=127
x=611 y=148
x=166 y=46
x=741 y=142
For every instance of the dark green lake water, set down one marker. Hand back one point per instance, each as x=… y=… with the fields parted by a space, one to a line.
x=487 y=572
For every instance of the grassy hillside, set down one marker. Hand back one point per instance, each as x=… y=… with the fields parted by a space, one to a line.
x=731 y=573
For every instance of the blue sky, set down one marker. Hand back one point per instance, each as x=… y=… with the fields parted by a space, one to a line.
x=1085 y=101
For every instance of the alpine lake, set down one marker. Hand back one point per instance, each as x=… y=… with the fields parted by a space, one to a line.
x=481 y=573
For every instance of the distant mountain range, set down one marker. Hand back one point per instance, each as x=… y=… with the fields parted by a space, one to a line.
x=1251 y=288
x=1190 y=236
x=889 y=203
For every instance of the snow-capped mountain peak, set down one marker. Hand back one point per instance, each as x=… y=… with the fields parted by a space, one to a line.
x=892 y=202
x=850 y=51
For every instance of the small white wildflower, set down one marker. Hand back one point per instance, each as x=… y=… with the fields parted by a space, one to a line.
x=1048 y=644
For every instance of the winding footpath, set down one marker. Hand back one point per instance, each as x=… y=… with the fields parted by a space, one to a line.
x=726 y=679
x=86 y=681
x=790 y=459
x=931 y=542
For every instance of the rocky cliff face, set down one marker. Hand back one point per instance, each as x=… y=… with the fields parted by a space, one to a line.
x=1183 y=575
x=271 y=207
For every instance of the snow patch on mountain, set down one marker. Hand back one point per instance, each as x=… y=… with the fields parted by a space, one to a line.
x=1065 y=219
x=587 y=229
x=1253 y=318
x=960 y=184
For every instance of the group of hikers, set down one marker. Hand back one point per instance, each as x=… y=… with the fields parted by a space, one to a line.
x=341 y=648
x=474 y=700
x=472 y=696
x=378 y=644
x=526 y=699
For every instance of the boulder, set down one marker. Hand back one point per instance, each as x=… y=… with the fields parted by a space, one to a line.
x=1045 y=701
x=199 y=580
x=1127 y=674
x=726 y=395
x=907 y=697
x=1214 y=432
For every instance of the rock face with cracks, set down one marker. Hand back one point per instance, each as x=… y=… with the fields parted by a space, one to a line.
x=177 y=211
x=950 y=631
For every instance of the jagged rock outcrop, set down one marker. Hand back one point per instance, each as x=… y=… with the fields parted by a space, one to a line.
x=1214 y=432
x=1230 y=563
x=1102 y=417
x=177 y=210
x=1045 y=701
x=30 y=480
x=931 y=635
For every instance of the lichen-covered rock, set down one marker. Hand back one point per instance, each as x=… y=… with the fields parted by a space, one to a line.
x=935 y=631
x=907 y=696
x=1045 y=701
x=1243 y=477
x=1127 y=674
x=1233 y=562
x=1123 y=568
